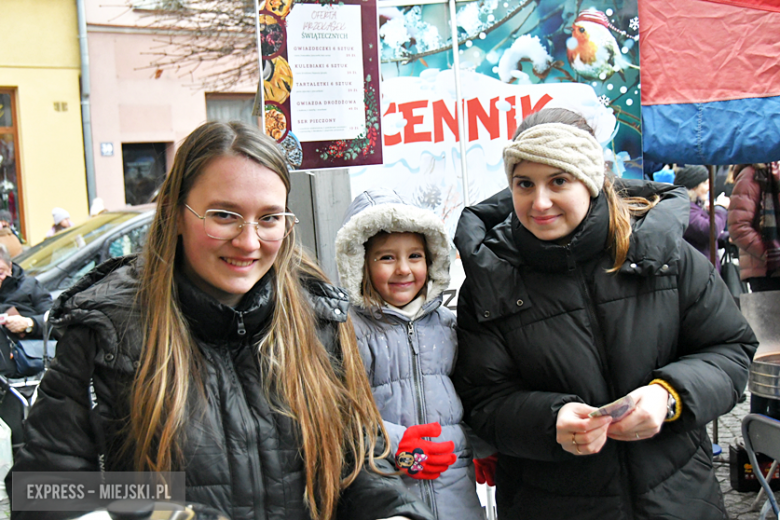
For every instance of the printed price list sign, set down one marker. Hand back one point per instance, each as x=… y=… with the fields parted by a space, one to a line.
x=325 y=52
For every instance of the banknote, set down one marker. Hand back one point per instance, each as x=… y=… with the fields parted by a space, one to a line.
x=617 y=409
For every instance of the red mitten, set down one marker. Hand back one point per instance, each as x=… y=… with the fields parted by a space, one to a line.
x=485 y=470
x=424 y=460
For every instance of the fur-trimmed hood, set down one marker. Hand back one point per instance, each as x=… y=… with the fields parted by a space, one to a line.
x=383 y=210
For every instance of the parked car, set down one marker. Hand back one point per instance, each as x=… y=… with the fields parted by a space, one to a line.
x=59 y=261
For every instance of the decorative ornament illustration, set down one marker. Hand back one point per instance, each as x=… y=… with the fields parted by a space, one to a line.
x=365 y=143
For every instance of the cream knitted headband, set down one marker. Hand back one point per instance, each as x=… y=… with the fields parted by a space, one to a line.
x=562 y=146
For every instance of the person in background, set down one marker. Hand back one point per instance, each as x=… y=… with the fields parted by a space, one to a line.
x=393 y=260
x=8 y=236
x=23 y=304
x=696 y=179
x=580 y=291
x=222 y=352
x=728 y=183
x=61 y=221
x=7 y=221
x=724 y=180
x=752 y=226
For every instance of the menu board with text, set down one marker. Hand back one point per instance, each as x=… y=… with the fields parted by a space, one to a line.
x=327 y=62
x=321 y=82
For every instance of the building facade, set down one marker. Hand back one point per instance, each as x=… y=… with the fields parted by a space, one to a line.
x=41 y=140
x=139 y=112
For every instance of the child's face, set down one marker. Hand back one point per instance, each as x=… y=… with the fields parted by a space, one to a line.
x=396 y=265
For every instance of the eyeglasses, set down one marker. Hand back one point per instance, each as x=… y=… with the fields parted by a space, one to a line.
x=226 y=225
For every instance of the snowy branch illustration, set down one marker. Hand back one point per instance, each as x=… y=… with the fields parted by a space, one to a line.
x=448 y=47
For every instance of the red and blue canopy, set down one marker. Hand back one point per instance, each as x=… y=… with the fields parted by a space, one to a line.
x=710 y=80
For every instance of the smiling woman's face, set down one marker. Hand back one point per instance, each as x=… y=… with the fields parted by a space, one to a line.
x=549 y=202
x=228 y=269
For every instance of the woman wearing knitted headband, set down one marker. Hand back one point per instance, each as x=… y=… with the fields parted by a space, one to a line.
x=580 y=292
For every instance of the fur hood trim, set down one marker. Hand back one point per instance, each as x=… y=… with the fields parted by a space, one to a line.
x=383 y=210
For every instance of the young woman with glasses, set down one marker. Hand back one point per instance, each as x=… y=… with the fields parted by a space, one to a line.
x=221 y=352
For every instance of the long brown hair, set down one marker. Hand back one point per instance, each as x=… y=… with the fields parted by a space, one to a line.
x=622 y=209
x=339 y=422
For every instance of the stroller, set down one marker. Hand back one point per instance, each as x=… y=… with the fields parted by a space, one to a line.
x=17 y=395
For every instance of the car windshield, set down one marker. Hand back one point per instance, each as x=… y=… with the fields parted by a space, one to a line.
x=52 y=251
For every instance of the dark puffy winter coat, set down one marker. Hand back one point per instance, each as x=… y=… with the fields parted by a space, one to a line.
x=31 y=300
x=240 y=456
x=27 y=295
x=542 y=325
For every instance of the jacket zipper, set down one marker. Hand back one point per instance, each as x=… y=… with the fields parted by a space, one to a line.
x=241 y=327
x=250 y=427
x=427 y=486
x=598 y=339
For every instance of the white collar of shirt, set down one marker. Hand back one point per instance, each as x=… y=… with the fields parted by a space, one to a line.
x=412 y=309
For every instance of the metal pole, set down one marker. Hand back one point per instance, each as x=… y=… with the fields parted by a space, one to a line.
x=760 y=494
x=713 y=245
x=86 y=118
x=459 y=103
x=713 y=257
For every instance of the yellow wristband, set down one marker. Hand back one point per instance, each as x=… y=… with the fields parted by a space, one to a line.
x=673 y=393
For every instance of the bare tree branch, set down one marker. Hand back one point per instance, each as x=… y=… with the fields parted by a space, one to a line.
x=212 y=42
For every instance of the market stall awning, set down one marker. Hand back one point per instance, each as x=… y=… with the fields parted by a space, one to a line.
x=710 y=80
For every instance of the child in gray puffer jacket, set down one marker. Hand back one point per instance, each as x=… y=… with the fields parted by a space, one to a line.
x=393 y=260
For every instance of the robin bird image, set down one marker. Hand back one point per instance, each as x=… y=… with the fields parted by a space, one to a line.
x=592 y=50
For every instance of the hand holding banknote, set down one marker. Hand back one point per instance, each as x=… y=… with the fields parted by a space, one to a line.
x=616 y=409
x=577 y=432
x=647 y=417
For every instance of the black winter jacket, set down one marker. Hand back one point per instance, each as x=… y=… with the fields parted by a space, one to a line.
x=31 y=300
x=542 y=325
x=241 y=457
x=27 y=295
